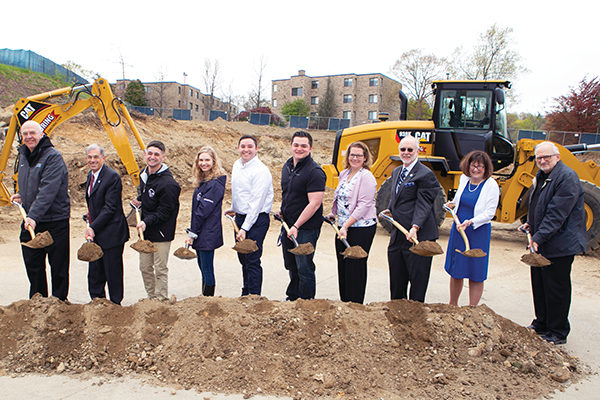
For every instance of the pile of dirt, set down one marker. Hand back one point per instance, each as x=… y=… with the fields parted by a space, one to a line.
x=303 y=349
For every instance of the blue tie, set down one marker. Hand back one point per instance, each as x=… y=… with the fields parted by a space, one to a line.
x=401 y=178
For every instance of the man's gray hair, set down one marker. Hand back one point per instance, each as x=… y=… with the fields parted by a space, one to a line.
x=37 y=125
x=95 y=146
x=413 y=139
x=546 y=143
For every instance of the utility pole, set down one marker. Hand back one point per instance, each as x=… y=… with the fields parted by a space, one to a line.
x=184 y=76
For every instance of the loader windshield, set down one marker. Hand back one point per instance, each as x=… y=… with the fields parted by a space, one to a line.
x=465 y=109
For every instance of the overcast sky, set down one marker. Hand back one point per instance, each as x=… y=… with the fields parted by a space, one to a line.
x=558 y=41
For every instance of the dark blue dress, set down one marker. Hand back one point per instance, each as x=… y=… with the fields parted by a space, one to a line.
x=457 y=265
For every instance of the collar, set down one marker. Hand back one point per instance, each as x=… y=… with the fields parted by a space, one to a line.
x=249 y=163
x=410 y=166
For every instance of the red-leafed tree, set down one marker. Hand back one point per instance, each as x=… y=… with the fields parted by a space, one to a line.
x=579 y=111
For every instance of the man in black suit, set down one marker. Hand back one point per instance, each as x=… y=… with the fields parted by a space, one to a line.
x=108 y=226
x=414 y=189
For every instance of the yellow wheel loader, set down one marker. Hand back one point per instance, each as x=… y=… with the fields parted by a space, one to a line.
x=110 y=111
x=467 y=115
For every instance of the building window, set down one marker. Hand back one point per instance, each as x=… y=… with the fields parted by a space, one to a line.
x=196 y=107
x=347 y=82
x=347 y=98
x=197 y=95
x=297 y=91
x=372 y=98
x=122 y=86
x=314 y=85
x=178 y=89
x=178 y=103
x=372 y=115
x=147 y=89
x=274 y=88
x=347 y=115
x=191 y=106
x=314 y=100
x=373 y=81
x=274 y=102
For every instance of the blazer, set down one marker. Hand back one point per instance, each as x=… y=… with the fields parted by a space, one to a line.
x=106 y=209
x=414 y=202
x=207 y=204
x=485 y=207
x=362 y=198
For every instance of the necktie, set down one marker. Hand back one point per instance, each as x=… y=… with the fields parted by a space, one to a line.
x=401 y=178
x=91 y=185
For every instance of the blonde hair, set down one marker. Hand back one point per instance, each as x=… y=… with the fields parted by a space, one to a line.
x=368 y=158
x=216 y=170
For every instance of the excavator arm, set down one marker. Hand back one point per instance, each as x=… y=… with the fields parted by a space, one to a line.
x=110 y=110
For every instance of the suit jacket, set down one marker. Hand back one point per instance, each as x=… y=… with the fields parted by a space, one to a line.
x=106 y=209
x=413 y=204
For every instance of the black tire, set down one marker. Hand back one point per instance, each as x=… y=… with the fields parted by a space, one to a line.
x=591 y=199
x=382 y=202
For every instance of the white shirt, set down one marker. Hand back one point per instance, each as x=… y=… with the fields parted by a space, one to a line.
x=95 y=174
x=251 y=190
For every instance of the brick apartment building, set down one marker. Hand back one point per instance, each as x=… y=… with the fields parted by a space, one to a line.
x=173 y=95
x=358 y=97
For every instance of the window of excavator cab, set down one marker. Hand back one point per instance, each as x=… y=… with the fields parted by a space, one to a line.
x=501 y=121
x=465 y=109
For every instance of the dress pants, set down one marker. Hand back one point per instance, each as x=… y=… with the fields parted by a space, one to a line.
x=301 y=269
x=407 y=267
x=551 y=287
x=352 y=273
x=58 y=258
x=155 y=272
x=252 y=273
x=107 y=271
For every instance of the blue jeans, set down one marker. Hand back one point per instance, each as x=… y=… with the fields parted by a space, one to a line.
x=206 y=264
x=252 y=273
x=301 y=268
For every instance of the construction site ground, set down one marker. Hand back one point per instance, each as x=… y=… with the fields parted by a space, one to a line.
x=229 y=347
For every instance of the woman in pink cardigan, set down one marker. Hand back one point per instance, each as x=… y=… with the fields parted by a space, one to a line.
x=354 y=207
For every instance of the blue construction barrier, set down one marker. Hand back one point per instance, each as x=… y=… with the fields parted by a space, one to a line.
x=182 y=114
x=298 y=122
x=30 y=60
x=143 y=110
x=217 y=114
x=590 y=138
x=260 y=119
x=528 y=134
x=335 y=124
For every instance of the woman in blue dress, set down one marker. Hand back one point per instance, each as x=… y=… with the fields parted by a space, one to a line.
x=475 y=205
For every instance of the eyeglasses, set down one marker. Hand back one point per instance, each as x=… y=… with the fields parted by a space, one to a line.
x=407 y=149
x=356 y=156
x=540 y=158
x=477 y=166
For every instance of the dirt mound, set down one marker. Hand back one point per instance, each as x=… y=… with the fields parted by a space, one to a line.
x=303 y=349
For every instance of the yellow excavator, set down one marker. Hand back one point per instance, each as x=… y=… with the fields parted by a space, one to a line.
x=98 y=95
x=468 y=115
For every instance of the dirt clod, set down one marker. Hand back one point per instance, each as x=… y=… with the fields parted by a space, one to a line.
x=144 y=246
x=535 y=260
x=89 y=252
x=245 y=246
x=41 y=240
x=303 y=249
x=427 y=249
x=184 y=254
x=355 y=252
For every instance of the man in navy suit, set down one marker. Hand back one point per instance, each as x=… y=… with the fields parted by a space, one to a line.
x=414 y=189
x=108 y=226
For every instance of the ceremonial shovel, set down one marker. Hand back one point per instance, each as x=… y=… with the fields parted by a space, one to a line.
x=354 y=252
x=39 y=241
x=89 y=251
x=532 y=258
x=425 y=248
x=302 y=249
x=184 y=252
x=142 y=246
x=473 y=253
x=245 y=246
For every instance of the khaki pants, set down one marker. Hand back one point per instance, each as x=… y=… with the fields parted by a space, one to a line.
x=155 y=273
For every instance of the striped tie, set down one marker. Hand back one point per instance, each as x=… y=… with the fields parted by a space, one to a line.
x=401 y=178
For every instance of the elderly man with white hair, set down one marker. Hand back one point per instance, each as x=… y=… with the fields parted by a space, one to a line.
x=43 y=192
x=556 y=221
x=414 y=190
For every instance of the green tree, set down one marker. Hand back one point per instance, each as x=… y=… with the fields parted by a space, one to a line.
x=135 y=94
x=297 y=107
x=418 y=110
x=327 y=103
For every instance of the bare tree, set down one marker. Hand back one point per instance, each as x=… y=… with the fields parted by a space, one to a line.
x=231 y=100
x=256 y=95
x=123 y=64
x=327 y=104
x=211 y=80
x=158 y=94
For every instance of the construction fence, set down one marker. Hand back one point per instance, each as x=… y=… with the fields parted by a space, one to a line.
x=562 y=138
x=30 y=60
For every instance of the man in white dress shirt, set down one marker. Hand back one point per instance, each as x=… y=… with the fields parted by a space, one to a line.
x=251 y=200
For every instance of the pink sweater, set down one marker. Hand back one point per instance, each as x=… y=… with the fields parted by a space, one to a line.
x=362 y=199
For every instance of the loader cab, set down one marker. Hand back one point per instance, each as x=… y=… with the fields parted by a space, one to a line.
x=470 y=115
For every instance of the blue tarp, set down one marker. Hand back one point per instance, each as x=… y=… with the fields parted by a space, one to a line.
x=27 y=59
x=217 y=114
x=528 y=134
x=143 y=110
x=182 y=114
x=298 y=122
x=260 y=119
x=335 y=124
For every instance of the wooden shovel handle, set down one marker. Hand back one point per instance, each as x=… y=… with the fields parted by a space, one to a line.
x=335 y=228
x=286 y=227
x=461 y=231
x=24 y=216
x=397 y=225
x=138 y=220
x=235 y=227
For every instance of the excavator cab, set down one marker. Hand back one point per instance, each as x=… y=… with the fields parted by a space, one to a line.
x=470 y=115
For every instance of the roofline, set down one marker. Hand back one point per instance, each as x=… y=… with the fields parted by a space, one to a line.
x=329 y=76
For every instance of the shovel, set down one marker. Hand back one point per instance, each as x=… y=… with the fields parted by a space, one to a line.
x=302 y=249
x=473 y=253
x=184 y=252
x=39 y=241
x=532 y=258
x=245 y=246
x=89 y=251
x=353 y=252
x=425 y=248
x=142 y=246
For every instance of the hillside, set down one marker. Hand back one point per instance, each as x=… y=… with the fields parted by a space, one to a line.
x=18 y=82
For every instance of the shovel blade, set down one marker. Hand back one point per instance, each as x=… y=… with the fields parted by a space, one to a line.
x=303 y=249
x=41 y=240
x=354 y=252
x=245 y=246
x=144 y=246
x=184 y=254
x=89 y=252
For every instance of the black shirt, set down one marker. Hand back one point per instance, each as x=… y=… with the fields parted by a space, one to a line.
x=296 y=182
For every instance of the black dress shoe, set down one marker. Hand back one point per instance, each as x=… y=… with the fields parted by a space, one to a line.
x=551 y=338
x=539 y=331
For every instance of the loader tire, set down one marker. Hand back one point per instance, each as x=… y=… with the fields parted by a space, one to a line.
x=382 y=202
x=591 y=199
